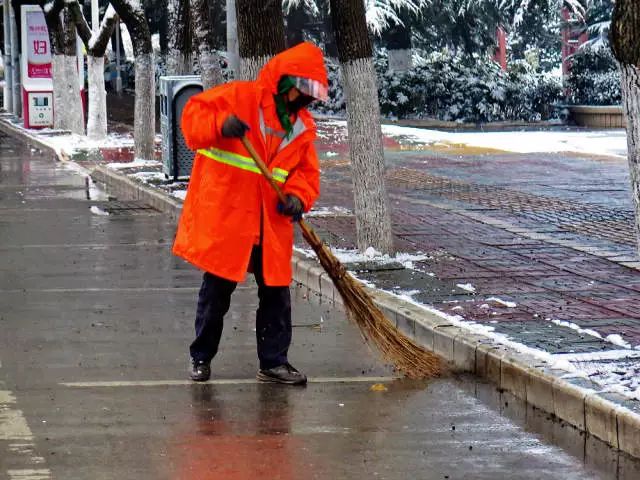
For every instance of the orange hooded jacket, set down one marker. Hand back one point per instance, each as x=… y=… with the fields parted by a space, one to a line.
x=228 y=198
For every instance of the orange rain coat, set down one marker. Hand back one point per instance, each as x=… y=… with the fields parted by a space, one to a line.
x=228 y=198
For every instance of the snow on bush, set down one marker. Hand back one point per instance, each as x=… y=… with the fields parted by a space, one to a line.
x=594 y=78
x=457 y=88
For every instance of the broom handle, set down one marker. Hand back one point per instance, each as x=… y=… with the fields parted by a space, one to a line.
x=263 y=168
x=308 y=232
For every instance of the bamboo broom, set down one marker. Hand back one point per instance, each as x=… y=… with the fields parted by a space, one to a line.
x=406 y=355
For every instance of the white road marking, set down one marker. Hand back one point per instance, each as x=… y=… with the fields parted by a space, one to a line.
x=221 y=381
x=96 y=246
x=15 y=430
x=30 y=474
x=100 y=289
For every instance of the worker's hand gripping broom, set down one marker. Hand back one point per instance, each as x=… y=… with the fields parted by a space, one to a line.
x=407 y=356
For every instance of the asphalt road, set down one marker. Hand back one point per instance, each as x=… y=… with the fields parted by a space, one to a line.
x=95 y=319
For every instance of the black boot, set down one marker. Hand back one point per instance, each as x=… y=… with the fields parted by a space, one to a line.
x=199 y=371
x=283 y=374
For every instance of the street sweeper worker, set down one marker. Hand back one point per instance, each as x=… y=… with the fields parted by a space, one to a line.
x=232 y=221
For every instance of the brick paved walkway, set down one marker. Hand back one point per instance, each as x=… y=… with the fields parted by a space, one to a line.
x=552 y=233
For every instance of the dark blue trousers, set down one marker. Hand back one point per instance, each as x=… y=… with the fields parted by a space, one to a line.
x=273 y=317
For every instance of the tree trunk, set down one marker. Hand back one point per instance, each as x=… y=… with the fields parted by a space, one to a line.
x=631 y=102
x=72 y=113
x=144 y=110
x=96 y=46
x=210 y=70
x=179 y=59
x=7 y=98
x=16 y=92
x=625 y=43
x=260 y=34
x=56 y=40
x=373 y=220
x=233 y=54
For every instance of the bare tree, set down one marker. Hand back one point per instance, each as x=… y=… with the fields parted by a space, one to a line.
x=625 y=43
x=132 y=15
x=209 y=60
x=96 y=46
x=260 y=34
x=373 y=220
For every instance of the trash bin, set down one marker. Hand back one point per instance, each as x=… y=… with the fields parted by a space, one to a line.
x=177 y=159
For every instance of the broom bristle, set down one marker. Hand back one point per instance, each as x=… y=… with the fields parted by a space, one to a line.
x=406 y=355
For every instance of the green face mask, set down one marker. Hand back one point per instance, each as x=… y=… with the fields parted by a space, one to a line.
x=285 y=84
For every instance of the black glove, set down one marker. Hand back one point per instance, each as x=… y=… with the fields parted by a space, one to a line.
x=233 y=127
x=292 y=208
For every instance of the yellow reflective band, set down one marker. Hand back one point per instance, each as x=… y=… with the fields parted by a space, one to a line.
x=239 y=161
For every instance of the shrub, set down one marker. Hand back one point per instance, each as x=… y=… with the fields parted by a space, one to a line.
x=458 y=88
x=594 y=78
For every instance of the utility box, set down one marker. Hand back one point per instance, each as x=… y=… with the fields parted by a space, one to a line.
x=177 y=159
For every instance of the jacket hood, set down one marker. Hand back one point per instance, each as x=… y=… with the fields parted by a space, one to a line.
x=304 y=60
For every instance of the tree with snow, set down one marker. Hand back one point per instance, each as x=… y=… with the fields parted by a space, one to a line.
x=96 y=46
x=132 y=14
x=260 y=34
x=625 y=43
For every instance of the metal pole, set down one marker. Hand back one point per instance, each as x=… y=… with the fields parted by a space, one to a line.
x=118 y=77
x=15 y=62
x=8 y=73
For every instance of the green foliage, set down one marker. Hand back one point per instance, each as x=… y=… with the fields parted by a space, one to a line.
x=463 y=88
x=594 y=78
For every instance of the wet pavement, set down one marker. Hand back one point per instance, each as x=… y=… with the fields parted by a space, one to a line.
x=96 y=316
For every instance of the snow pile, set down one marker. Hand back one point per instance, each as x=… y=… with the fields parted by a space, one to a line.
x=98 y=211
x=135 y=164
x=64 y=143
x=334 y=211
x=149 y=177
x=467 y=287
x=502 y=303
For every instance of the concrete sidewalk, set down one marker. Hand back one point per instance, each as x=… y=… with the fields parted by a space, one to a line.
x=530 y=257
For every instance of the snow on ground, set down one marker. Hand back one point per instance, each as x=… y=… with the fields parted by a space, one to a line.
x=334 y=211
x=466 y=287
x=71 y=143
x=611 y=370
x=98 y=211
x=181 y=194
x=148 y=177
x=611 y=142
x=135 y=164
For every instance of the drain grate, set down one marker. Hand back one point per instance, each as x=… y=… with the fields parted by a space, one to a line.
x=121 y=208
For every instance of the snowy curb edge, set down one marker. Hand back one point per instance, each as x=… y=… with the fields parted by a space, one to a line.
x=521 y=375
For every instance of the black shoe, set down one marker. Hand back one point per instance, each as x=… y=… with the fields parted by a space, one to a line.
x=283 y=374
x=199 y=371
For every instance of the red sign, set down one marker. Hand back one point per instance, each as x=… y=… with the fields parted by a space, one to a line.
x=38 y=52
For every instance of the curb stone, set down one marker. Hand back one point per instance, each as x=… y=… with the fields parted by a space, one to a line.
x=510 y=371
